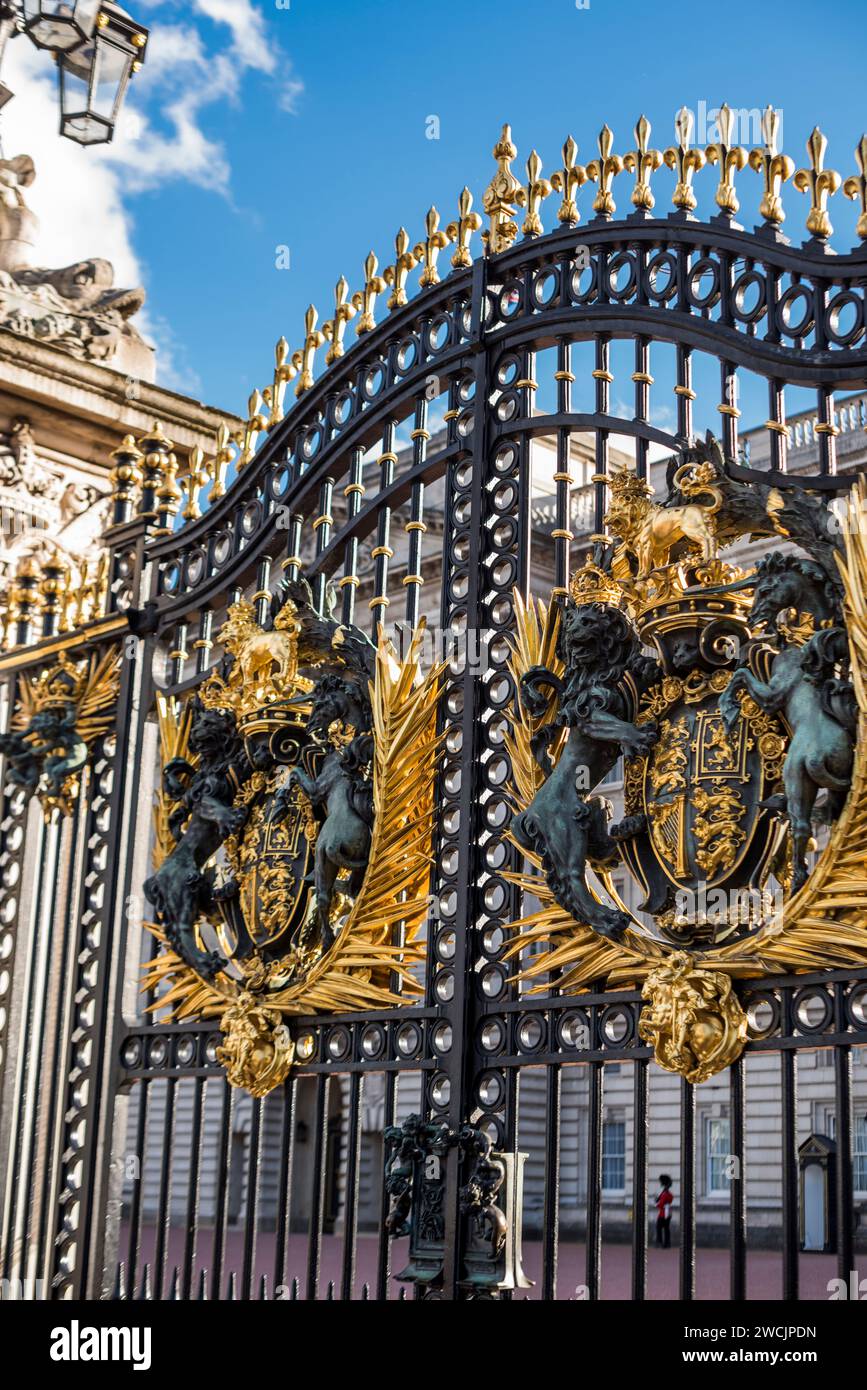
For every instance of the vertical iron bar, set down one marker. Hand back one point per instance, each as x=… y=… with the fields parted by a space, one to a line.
x=291 y=566
x=603 y=378
x=827 y=431
x=687 y=1185
x=728 y=408
x=790 y=1187
x=639 y=1180
x=776 y=425
x=551 y=1199
x=354 y=493
x=252 y=1214
x=383 y=1254
x=350 y=1203
x=136 y=1207
x=563 y=535
x=382 y=551
x=284 y=1188
x=684 y=392
x=643 y=382
x=317 y=1199
x=221 y=1198
x=322 y=529
x=738 y=1208
x=594 y=1179
x=192 y=1222
x=844 y=1194
x=415 y=526
x=164 y=1201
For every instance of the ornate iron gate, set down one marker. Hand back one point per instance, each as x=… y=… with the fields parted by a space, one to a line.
x=404 y=469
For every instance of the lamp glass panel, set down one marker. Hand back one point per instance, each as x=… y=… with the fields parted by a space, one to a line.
x=60 y=24
x=111 y=70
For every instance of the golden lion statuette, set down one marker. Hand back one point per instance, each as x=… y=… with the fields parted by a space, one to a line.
x=695 y=1024
x=257 y=1050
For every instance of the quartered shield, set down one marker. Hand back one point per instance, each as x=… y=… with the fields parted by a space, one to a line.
x=700 y=790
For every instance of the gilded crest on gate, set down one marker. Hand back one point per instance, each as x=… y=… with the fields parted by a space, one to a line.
x=735 y=700
x=293 y=824
x=60 y=714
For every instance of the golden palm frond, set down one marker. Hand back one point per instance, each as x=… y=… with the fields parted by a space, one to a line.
x=97 y=698
x=371 y=964
x=534 y=644
x=822 y=925
x=175 y=723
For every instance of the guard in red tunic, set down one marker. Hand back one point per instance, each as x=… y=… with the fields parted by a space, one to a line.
x=663 y=1211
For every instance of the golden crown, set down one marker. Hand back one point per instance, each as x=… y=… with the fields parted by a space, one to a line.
x=591 y=584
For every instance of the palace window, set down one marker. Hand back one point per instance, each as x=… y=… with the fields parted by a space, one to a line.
x=613 y=1156
x=859 y=1154
x=717 y=1148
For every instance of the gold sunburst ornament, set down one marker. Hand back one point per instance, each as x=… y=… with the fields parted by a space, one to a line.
x=721 y=814
x=315 y=759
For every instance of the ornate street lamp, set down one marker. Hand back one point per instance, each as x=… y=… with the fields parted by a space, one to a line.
x=94 y=76
x=97 y=47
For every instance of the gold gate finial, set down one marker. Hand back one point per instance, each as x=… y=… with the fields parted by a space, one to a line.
x=256 y=422
x=567 y=181
x=334 y=330
x=427 y=251
x=501 y=196
x=365 y=300
x=462 y=230
x=603 y=171
x=313 y=340
x=820 y=183
x=396 y=275
x=643 y=163
x=193 y=479
x=730 y=159
x=219 y=466
x=685 y=158
x=856 y=185
x=531 y=196
x=285 y=368
x=774 y=167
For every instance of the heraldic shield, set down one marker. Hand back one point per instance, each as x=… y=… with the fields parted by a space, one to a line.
x=699 y=793
x=735 y=698
x=293 y=831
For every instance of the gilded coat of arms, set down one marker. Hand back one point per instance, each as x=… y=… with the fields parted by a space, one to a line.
x=293 y=831
x=734 y=699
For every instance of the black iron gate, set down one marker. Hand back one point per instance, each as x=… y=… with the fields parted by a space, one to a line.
x=404 y=475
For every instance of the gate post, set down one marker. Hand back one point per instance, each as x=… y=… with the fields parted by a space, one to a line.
x=87 y=1045
x=481 y=804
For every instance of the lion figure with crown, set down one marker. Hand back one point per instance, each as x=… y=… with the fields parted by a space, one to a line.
x=598 y=648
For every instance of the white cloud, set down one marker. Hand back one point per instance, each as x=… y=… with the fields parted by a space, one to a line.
x=79 y=194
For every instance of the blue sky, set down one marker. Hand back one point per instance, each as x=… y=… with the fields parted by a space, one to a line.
x=254 y=126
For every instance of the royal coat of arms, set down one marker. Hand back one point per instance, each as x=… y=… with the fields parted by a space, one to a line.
x=293 y=831
x=734 y=698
